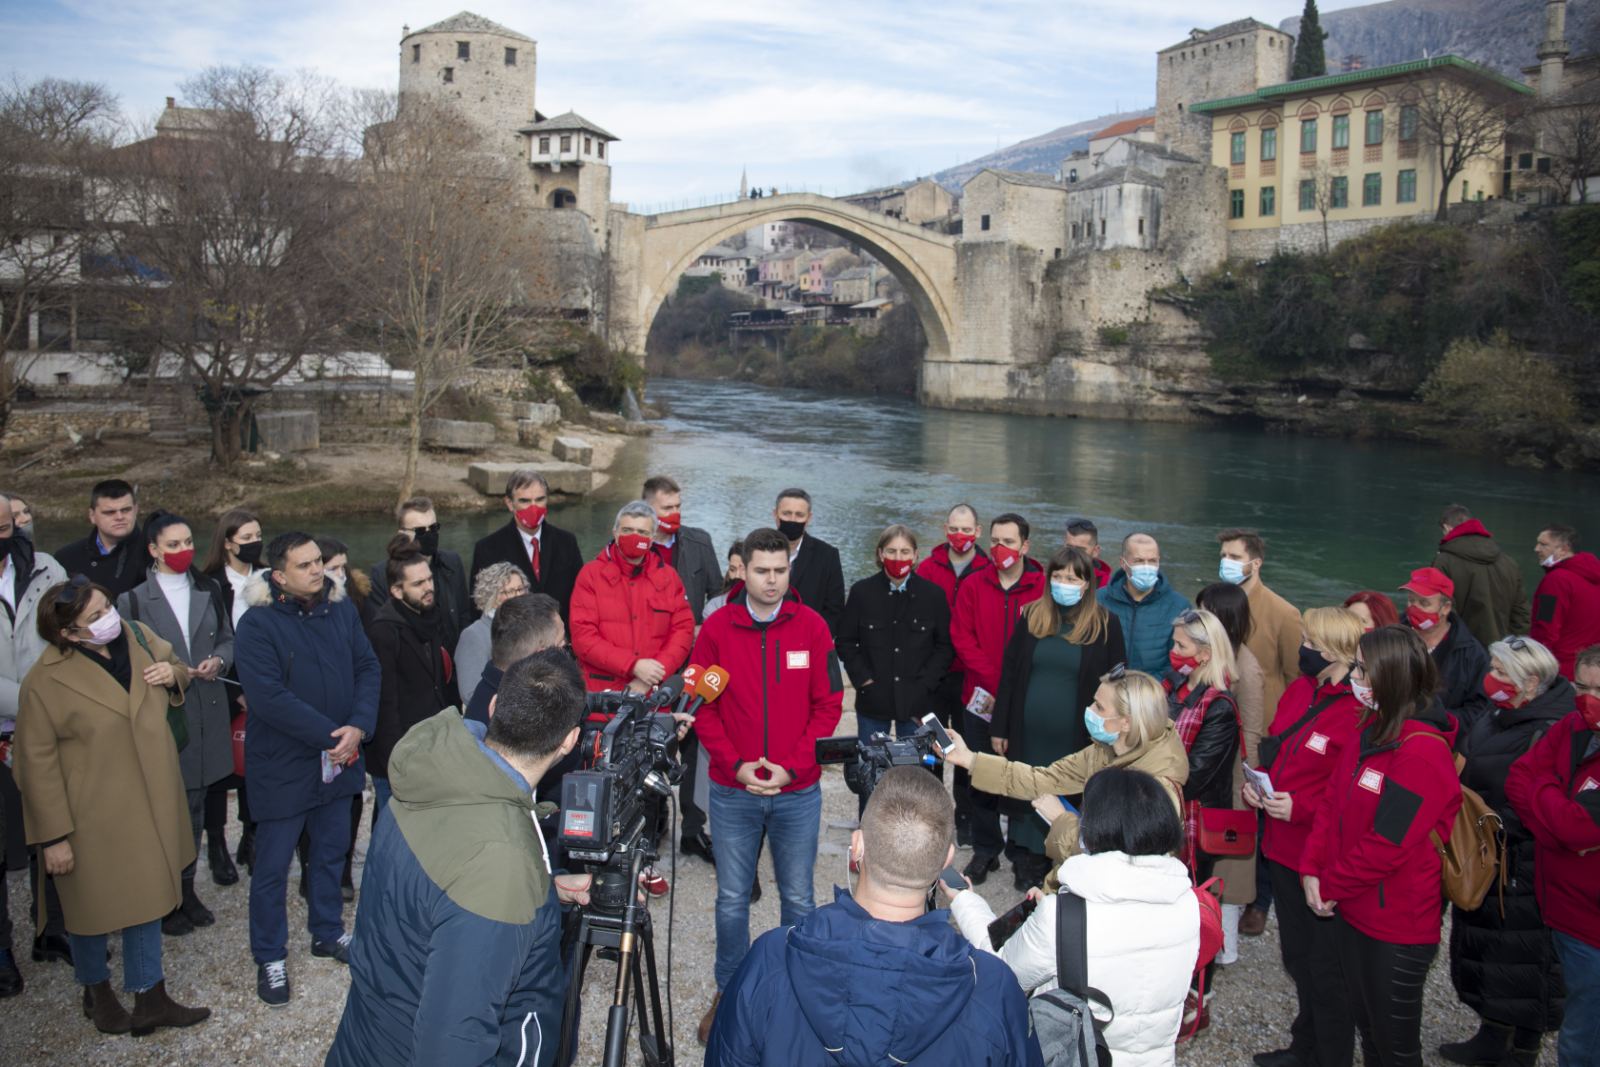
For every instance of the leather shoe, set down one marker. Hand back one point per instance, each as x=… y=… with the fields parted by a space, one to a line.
x=698 y=845
x=153 y=1009
x=52 y=947
x=223 y=871
x=101 y=1007
x=706 y=1020
x=1280 y=1058
x=176 y=923
x=1253 y=923
x=10 y=977
x=978 y=868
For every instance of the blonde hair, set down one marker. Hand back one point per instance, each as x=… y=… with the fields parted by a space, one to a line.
x=1090 y=620
x=1205 y=629
x=1524 y=661
x=1143 y=702
x=1336 y=631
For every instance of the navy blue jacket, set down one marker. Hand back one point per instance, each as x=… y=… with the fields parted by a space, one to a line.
x=305 y=673
x=878 y=992
x=1147 y=623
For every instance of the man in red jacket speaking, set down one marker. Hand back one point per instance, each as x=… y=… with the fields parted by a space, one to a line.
x=785 y=690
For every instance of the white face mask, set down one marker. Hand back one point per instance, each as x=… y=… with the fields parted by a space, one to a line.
x=1548 y=562
x=1363 y=693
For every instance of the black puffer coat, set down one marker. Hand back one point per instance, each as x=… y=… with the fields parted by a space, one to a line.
x=1506 y=969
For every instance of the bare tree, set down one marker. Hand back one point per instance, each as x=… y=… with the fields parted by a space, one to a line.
x=1322 y=175
x=1459 y=123
x=1567 y=130
x=222 y=230
x=48 y=131
x=441 y=266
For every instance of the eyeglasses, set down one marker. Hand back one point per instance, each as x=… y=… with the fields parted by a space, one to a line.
x=1518 y=644
x=1187 y=618
x=69 y=592
x=1117 y=673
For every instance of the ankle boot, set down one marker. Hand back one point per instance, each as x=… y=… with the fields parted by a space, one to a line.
x=223 y=872
x=197 y=913
x=176 y=924
x=1524 y=1051
x=153 y=1008
x=101 y=1006
x=1483 y=1049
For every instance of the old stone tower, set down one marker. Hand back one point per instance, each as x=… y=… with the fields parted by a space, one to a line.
x=484 y=70
x=1231 y=60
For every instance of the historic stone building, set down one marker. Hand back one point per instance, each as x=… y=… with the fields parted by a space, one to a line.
x=1231 y=60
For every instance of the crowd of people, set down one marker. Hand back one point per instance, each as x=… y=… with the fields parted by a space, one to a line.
x=1124 y=750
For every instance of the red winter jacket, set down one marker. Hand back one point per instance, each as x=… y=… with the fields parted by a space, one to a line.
x=785 y=690
x=1305 y=760
x=1566 y=609
x=1555 y=790
x=621 y=614
x=984 y=619
x=1102 y=573
x=936 y=568
x=1369 y=844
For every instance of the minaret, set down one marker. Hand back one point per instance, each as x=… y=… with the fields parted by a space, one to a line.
x=1553 y=52
x=744 y=183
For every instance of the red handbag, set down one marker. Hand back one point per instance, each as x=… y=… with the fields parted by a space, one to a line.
x=1225 y=831
x=238 y=744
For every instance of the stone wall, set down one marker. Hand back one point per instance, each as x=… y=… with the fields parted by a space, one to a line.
x=31 y=425
x=1194 y=233
x=1305 y=237
x=1189 y=74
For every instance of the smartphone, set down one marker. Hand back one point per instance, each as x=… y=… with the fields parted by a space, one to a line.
x=940 y=735
x=1001 y=929
x=953 y=878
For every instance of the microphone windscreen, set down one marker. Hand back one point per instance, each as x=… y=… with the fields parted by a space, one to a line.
x=712 y=681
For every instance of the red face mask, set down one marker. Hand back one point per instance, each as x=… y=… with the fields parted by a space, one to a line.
x=961 y=543
x=1422 y=620
x=897 y=569
x=1501 y=693
x=669 y=523
x=531 y=516
x=1184 y=665
x=1004 y=557
x=1589 y=708
x=632 y=546
x=178 y=561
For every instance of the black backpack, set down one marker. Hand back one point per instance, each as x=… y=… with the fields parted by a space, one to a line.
x=1069 y=1034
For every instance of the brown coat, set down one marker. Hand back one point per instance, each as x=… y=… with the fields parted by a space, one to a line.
x=97 y=767
x=1239 y=874
x=1163 y=758
x=1276 y=630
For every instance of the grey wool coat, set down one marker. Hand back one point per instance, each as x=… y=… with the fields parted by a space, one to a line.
x=209 y=755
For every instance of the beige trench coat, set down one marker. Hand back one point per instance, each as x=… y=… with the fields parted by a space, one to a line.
x=97 y=766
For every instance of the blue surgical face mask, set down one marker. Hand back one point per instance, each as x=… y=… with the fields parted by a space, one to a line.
x=1143 y=576
x=1231 y=570
x=1066 y=595
x=1096 y=724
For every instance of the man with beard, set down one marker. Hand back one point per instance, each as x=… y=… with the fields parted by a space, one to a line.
x=408 y=637
x=417 y=521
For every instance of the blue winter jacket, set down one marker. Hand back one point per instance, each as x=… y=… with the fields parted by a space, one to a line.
x=843 y=989
x=1147 y=623
x=456 y=958
x=305 y=672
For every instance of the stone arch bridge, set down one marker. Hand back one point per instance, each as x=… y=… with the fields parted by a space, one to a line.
x=650 y=252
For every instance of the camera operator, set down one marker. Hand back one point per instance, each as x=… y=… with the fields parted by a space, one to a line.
x=457 y=951
x=875 y=977
x=785 y=690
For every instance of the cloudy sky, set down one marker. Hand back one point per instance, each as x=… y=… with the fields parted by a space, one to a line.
x=832 y=96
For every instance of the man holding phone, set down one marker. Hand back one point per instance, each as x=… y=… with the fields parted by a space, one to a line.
x=903 y=985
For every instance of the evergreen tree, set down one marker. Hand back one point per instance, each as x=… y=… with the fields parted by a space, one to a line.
x=1309 y=59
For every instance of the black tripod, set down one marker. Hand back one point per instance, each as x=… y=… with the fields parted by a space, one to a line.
x=616 y=924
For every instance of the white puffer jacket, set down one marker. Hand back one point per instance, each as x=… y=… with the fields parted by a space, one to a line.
x=1144 y=939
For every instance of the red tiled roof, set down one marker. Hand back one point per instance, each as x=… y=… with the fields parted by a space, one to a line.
x=1124 y=127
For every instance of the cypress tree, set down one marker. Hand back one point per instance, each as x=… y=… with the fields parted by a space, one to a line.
x=1309 y=59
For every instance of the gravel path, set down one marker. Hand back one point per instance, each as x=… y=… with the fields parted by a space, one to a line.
x=1252 y=1006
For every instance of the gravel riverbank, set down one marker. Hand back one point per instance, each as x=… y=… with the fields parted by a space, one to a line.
x=1251 y=1010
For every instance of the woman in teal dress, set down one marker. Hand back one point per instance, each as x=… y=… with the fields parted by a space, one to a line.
x=1052 y=667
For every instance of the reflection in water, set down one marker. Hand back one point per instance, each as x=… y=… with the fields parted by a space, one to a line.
x=1338 y=515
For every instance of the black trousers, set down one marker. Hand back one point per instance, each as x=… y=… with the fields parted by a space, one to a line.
x=217 y=808
x=983 y=809
x=1383 y=983
x=1322 y=1033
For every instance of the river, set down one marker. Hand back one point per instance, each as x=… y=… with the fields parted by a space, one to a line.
x=1337 y=515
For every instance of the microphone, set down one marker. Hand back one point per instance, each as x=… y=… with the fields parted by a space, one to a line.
x=691 y=677
x=666 y=691
x=708 y=687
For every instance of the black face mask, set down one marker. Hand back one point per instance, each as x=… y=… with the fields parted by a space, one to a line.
x=428 y=542
x=1312 y=662
x=791 y=529
x=250 y=554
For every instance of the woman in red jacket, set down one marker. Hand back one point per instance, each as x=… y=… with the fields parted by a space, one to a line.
x=631 y=623
x=1317 y=718
x=1369 y=862
x=1555 y=791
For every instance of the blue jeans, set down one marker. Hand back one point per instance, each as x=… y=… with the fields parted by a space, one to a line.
x=328 y=827
x=141 y=957
x=738 y=818
x=1579 y=1043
